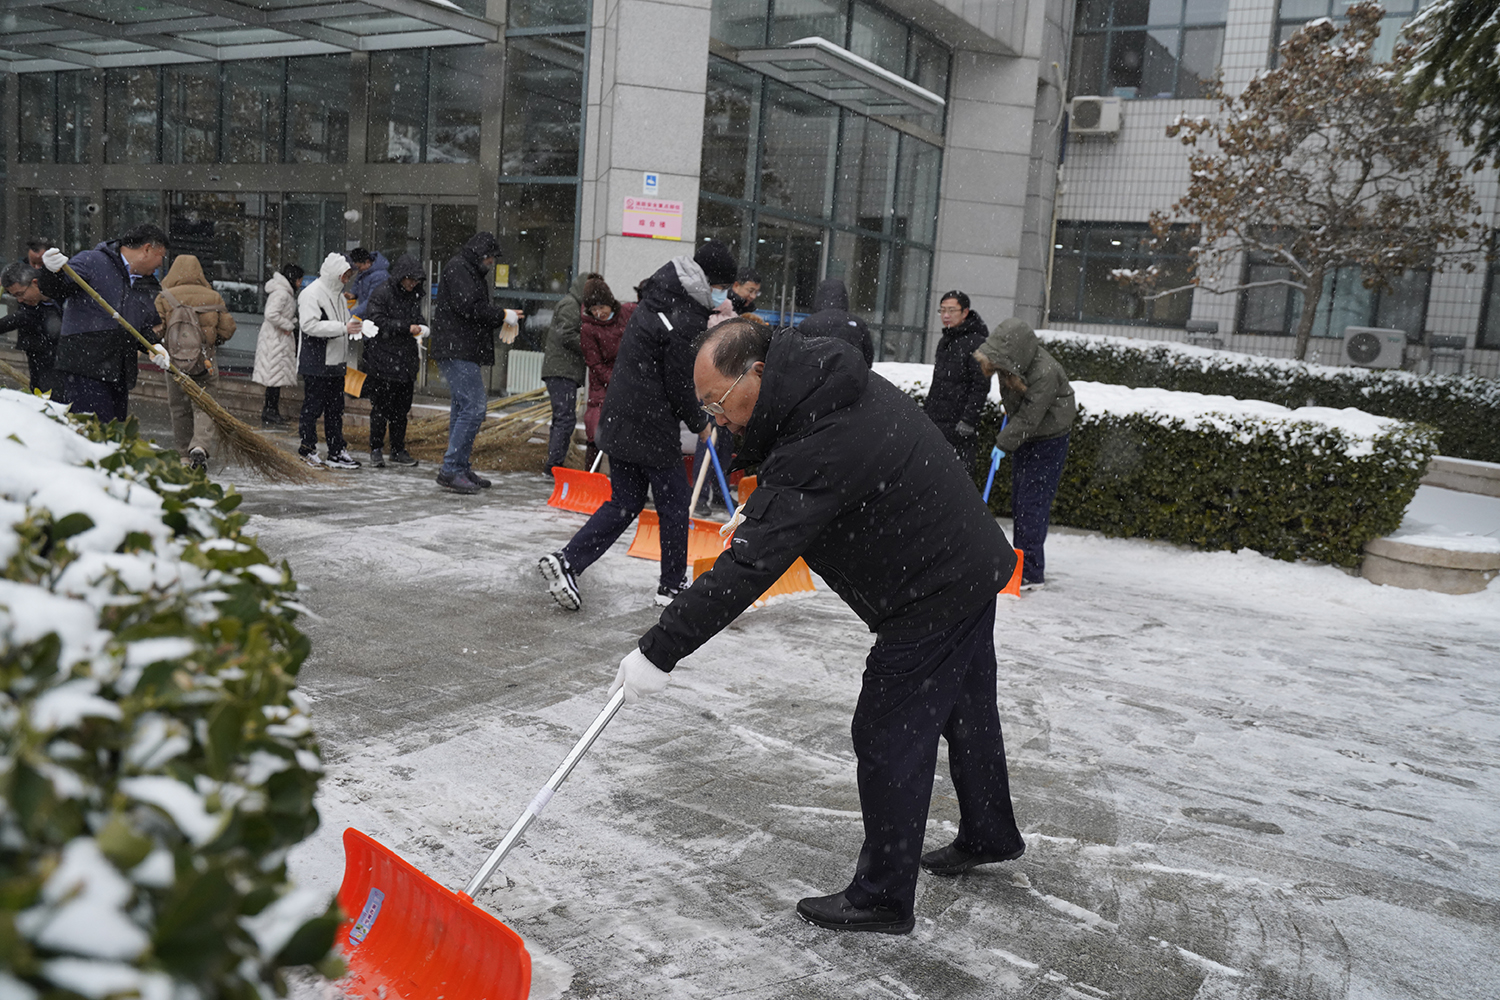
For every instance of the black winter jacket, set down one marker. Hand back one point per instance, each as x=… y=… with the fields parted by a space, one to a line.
x=91 y=343
x=651 y=389
x=959 y=388
x=37 y=328
x=855 y=482
x=393 y=353
x=464 y=316
x=833 y=319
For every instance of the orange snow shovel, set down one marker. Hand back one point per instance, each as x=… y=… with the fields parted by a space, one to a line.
x=579 y=491
x=409 y=938
x=703 y=538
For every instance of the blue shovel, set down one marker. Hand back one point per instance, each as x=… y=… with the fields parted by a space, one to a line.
x=995 y=456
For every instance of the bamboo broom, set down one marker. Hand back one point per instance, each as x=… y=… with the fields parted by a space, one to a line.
x=239 y=441
x=15 y=376
x=430 y=429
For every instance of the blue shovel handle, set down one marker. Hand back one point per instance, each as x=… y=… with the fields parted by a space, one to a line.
x=995 y=456
x=713 y=454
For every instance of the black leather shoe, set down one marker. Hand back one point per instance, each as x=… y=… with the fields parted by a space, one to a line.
x=954 y=860
x=837 y=914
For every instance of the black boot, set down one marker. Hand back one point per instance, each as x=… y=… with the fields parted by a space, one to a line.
x=838 y=914
x=954 y=860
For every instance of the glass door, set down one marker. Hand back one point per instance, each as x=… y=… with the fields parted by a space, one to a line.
x=789 y=257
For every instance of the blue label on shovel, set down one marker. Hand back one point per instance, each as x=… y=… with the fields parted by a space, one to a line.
x=366 y=917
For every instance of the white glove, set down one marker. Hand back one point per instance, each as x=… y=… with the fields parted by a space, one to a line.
x=54 y=259
x=426 y=331
x=511 y=329
x=368 y=330
x=639 y=677
x=160 y=358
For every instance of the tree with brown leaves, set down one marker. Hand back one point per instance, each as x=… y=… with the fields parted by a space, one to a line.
x=1321 y=163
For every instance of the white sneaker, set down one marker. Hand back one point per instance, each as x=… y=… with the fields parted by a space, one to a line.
x=1033 y=586
x=343 y=460
x=666 y=595
x=315 y=460
x=560 y=582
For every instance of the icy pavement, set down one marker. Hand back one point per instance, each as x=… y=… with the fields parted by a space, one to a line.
x=1238 y=777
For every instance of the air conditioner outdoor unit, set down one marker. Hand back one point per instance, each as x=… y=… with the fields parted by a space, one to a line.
x=1372 y=347
x=1094 y=116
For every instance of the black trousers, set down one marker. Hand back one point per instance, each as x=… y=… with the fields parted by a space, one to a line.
x=390 y=402
x=627 y=483
x=323 y=396
x=106 y=400
x=913 y=692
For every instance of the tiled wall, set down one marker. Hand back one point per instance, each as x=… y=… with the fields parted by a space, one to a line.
x=1125 y=177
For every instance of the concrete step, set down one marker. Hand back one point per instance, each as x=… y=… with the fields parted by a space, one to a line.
x=1463 y=475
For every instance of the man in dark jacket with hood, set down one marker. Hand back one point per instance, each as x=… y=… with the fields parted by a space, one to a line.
x=833 y=319
x=869 y=494
x=1040 y=408
x=96 y=356
x=37 y=322
x=391 y=358
x=650 y=393
x=562 y=368
x=959 y=388
x=464 y=318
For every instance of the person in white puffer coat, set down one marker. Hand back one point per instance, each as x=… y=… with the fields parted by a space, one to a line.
x=326 y=325
x=276 y=348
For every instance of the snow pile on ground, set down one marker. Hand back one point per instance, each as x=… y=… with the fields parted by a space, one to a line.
x=1446 y=519
x=150 y=730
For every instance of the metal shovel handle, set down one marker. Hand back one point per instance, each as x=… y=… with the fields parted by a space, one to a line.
x=544 y=794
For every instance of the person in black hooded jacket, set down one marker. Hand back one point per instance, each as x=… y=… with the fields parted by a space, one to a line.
x=464 y=318
x=391 y=358
x=650 y=393
x=869 y=494
x=959 y=388
x=833 y=319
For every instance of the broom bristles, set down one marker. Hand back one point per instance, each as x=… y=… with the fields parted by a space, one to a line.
x=15 y=376
x=239 y=441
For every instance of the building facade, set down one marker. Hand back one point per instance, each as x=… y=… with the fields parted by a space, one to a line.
x=905 y=146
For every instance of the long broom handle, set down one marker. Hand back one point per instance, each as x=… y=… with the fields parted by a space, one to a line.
x=544 y=795
x=113 y=312
x=702 y=474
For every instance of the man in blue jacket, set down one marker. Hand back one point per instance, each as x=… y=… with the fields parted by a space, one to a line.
x=96 y=356
x=370 y=272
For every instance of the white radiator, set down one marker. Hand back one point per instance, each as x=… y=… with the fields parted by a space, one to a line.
x=524 y=373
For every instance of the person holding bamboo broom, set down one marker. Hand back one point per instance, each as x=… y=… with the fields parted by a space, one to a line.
x=96 y=357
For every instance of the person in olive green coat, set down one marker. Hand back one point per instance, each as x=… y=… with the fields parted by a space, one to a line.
x=563 y=369
x=1040 y=410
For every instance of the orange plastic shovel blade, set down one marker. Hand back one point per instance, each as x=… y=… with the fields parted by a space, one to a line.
x=579 y=491
x=408 y=938
x=1013 y=586
x=704 y=539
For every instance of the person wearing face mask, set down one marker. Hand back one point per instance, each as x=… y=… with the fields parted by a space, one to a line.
x=740 y=300
x=603 y=326
x=650 y=394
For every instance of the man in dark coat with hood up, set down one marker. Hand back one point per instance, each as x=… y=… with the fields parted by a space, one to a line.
x=464 y=318
x=853 y=481
x=650 y=393
x=391 y=357
x=833 y=319
x=959 y=388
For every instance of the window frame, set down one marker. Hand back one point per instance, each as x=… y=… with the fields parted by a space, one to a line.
x=1085 y=230
x=1182 y=28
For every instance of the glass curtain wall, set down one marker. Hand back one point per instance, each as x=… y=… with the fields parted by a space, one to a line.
x=54 y=117
x=804 y=190
x=1345 y=301
x=1085 y=254
x=541 y=147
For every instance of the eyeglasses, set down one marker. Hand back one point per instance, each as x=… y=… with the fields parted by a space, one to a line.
x=949 y=310
x=717 y=409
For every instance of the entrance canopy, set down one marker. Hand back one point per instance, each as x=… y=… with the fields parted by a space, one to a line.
x=71 y=34
x=835 y=74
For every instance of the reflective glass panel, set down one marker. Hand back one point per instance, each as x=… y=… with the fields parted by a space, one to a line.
x=1404 y=305
x=125 y=209
x=317 y=123
x=75 y=116
x=794 y=19
x=398 y=229
x=452 y=226
x=398 y=106
x=536 y=227
x=1158 y=74
x=858 y=260
x=1086 y=68
x=62 y=220
x=906 y=298
x=878 y=37
x=866 y=173
x=914 y=213
x=728 y=121
x=252 y=110
x=543 y=106
x=799 y=144
x=236 y=238
x=190 y=113
x=741 y=23
x=456 y=98
x=927 y=67
x=38 y=118
x=789 y=256
x=725 y=223
x=1201 y=51
x=312 y=227
x=543 y=13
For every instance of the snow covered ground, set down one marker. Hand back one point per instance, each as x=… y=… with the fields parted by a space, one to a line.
x=1238 y=777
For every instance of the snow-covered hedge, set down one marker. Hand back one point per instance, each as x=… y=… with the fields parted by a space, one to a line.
x=1466 y=408
x=156 y=759
x=1222 y=473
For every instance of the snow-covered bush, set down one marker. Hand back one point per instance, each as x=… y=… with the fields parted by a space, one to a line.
x=156 y=759
x=1466 y=408
x=1222 y=473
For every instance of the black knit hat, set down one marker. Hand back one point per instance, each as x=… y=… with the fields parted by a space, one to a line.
x=717 y=262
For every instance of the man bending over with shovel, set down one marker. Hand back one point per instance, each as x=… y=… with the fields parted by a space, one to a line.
x=856 y=481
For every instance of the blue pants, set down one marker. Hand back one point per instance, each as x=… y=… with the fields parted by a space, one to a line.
x=724 y=448
x=465 y=413
x=106 y=400
x=563 y=392
x=628 y=482
x=914 y=691
x=1035 y=469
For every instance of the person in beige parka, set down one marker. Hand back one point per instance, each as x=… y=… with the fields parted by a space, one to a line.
x=185 y=283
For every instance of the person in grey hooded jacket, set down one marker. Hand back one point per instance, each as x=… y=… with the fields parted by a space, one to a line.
x=1039 y=409
x=563 y=368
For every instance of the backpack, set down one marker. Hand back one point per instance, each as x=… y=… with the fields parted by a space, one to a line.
x=183 y=333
